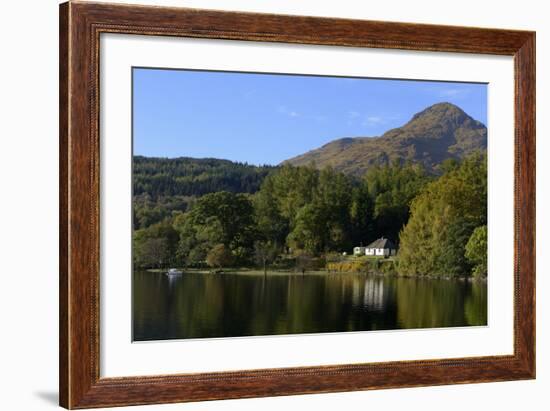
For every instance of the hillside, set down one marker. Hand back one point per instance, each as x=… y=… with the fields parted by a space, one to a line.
x=433 y=135
x=185 y=176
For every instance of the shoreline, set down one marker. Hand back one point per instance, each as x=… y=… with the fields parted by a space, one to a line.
x=271 y=273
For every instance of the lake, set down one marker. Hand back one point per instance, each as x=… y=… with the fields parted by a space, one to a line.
x=196 y=305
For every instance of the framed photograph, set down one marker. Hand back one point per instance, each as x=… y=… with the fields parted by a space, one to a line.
x=257 y=205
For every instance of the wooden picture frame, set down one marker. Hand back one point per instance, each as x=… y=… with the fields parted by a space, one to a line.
x=80 y=27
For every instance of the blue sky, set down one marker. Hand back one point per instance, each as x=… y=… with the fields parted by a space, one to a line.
x=268 y=118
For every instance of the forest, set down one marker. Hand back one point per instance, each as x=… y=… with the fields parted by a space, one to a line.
x=215 y=213
x=162 y=186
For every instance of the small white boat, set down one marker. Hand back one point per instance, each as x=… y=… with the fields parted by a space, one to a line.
x=174 y=271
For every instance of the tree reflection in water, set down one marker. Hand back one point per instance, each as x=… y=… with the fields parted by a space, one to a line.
x=196 y=305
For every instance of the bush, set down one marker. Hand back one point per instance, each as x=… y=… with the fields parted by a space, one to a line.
x=364 y=265
x=476 y=251
x=219 y=256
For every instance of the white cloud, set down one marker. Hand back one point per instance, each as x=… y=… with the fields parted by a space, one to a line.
x=286 y=111
x=370 y=121
x=453 y=92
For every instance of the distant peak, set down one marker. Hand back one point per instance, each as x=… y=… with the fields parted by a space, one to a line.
x=441 y=109
x=442 y=114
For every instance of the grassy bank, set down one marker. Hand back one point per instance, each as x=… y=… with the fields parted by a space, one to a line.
x=351 y=265
x=369 y=265
x=242 y=271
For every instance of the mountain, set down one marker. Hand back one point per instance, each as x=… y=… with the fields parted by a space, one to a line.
x=433 y=135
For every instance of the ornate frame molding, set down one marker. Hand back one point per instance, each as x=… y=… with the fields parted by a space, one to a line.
x=81 y=24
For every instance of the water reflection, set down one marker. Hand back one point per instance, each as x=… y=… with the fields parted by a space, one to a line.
x=374 y=294
x=208 y=305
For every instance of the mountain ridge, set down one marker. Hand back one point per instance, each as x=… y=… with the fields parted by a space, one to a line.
x=438 y=132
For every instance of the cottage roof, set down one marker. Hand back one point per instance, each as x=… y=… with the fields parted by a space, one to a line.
x=382 y=243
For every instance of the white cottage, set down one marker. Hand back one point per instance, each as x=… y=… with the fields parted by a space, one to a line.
x=381 y=248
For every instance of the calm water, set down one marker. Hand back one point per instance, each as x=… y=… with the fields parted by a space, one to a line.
x=226 y=305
